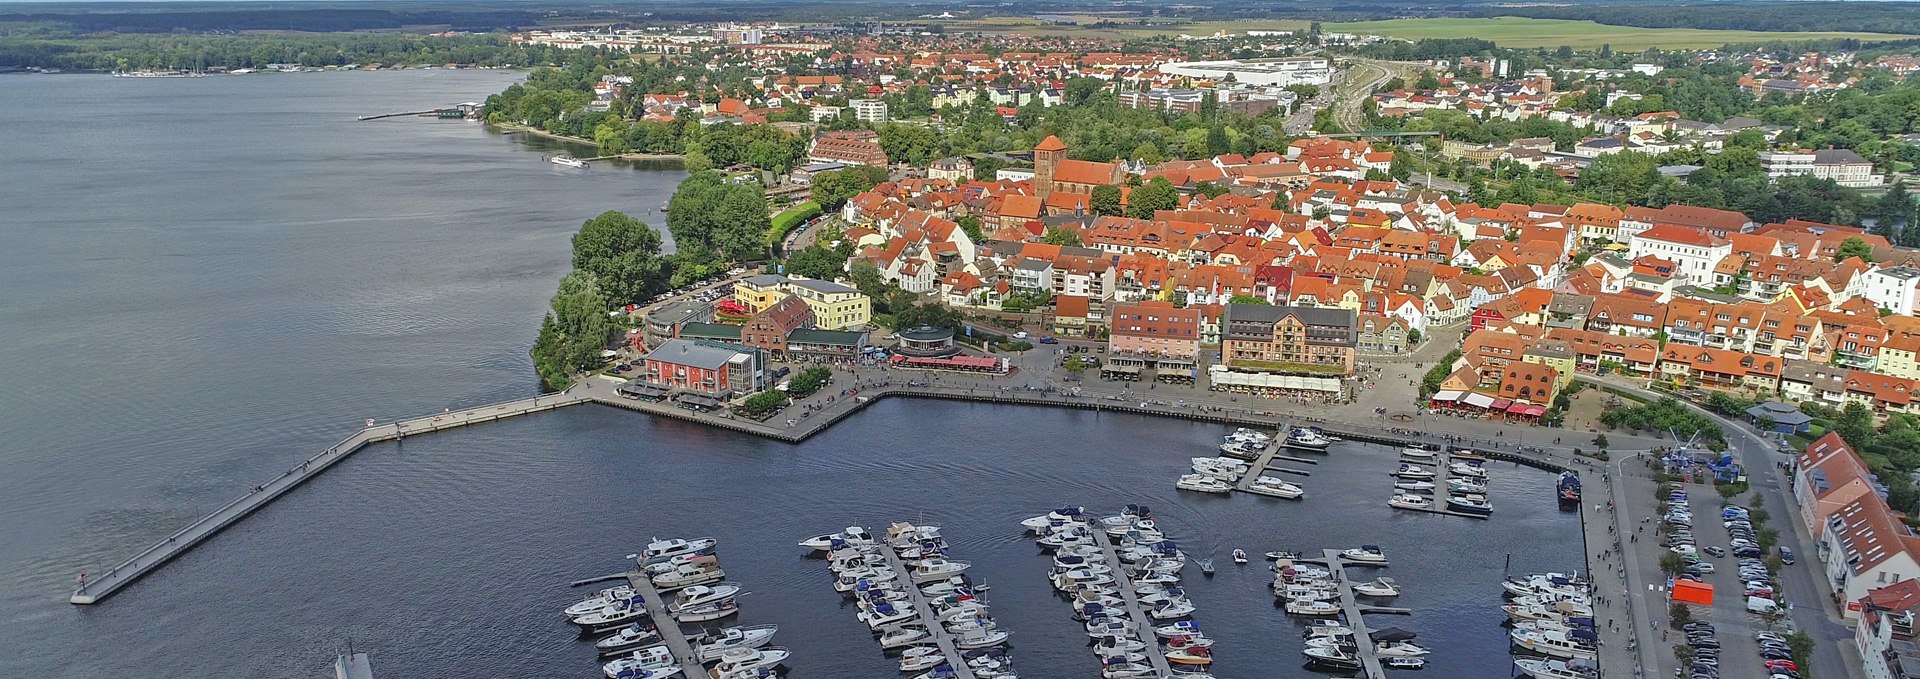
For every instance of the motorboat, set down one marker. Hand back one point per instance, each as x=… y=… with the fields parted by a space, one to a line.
x=1239 y=556
x=1178 y=629
x=1305 y=592
x=1469 y=505
x=598 y=600
x=1459 y=487
x=1569 y=487
x=1312 y=607
x=931 y=570
x=1554 y=643
x=1105 y=627
x=1206 y=567
x=1278 y=555
x=1382 y=588
x=1414 y=471
x=853 y=535
x=1191 y=656
x=1399 y=649
x=1403 y=662
x=958 y=584
x=979 y=637
x=1137 y=524
x=612 y=616
x=905 y=635
x=1467 y=469
x=1307 y=439
x=887 y=614
x=710 y=647
x=904 y=534
x=741 y=663
x=1063 y=514
x=1345 y=643
x=1124 y=656
x=659 y=550
x=1121 y=669
x=1465 y=454
x=1539 y=668
x=687 y=575
x=1202 y=484
x=1272 y=487
x=655 y=659
x=1413 y=485
x=1523 y=610
x=1195 y=640
x=919 y=658
x=1331 y=658
x=1326 y=628
x=628 y=638
x=1244 y=451
x=702 y=594
x=851 y=581
x=1302 y=573
x=1221 y=472
x=1220 y=461
x=1556 y=585
x=1410 y=501
x=1110 y=646
x=1365 y=554
x=1417 y=453
x=564 y=160
x=1171 y=610
x=1250 y=435
x=707 y=612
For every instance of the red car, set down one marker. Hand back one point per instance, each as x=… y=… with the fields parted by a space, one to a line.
x=1782 y=665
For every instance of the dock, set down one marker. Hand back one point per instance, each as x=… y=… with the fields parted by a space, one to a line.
x=352 y=665
x=1369 y=658
x=1142 y=625
x=670 y=632
x=98 y=587
x=1264 y=463
x=941 y=637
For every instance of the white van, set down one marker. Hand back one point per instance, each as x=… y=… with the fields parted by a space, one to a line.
x=1762 y=606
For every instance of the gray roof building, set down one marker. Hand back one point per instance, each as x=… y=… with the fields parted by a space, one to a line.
x=690 y=354
x=1324 y=326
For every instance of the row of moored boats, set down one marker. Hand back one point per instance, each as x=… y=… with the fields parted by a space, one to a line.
x=1420 y=478
x=1551 y=615
x=1144 y=567
x=1220 y=474
x=889 y=600
x=1312 y=589
x=687 y=575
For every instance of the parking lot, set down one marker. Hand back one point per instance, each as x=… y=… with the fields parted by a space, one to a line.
x=1728 y=558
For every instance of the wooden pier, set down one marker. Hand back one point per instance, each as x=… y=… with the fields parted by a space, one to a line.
x=1260 y=463
x=670 y=632
x=1356 y=621
x=105 y=584
x=1142 y=624
x=1442 y=475
x=941 y=637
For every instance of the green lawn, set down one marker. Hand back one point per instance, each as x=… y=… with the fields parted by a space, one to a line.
x=1505 y=31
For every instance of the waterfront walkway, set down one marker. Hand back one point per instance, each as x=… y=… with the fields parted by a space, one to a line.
x=1136 y=613
x=941 y=637
x=670 y=632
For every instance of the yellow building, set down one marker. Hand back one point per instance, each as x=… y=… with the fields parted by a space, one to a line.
x=759 y=292
x=1556 y=354
x=835 y=306
x=1900 y=357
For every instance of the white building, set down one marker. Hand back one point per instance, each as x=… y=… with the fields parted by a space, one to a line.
x=1278 y=72
x=1895 y=288
x=1779 y=164
x=1866 y=549
x=1694 y=253
x=1844 y=167
x=869 y=110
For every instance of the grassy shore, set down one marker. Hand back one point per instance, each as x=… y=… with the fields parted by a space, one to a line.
x=537 y=132
x=1505 y=31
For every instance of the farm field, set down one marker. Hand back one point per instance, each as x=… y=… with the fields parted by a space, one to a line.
x=1505 y=31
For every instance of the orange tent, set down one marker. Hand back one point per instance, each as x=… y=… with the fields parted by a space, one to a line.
x=1688 y=591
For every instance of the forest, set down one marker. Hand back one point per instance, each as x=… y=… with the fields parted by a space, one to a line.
x=40 y=48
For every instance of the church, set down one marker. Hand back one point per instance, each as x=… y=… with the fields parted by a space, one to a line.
x=1064 y=185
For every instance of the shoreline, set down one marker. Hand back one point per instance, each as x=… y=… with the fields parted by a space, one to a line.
x=511 y=127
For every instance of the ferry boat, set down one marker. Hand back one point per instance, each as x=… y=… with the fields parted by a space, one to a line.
x=567 y=161
x=1569 y=487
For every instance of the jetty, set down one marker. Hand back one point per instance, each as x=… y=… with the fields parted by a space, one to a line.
x=351 y=665
x=1356 y=620
x=670 y=632
x=97 y=587
x=1136 y=613
x=941 y=637
x=1442 y=475
x=1260 y=463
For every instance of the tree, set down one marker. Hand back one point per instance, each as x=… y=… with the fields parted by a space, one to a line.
x=1061 y=235
x=1600 y=441
x=1248 y=299
x=808 y=380
x=1156 y=195
x=1413 y=335
x=816 y=262
x=1854 y=247
x=1209 y=189
x=970 y=225
x=763 y=403
x=1105 y=200
x=622 y=256
x=832 y=189
x=866 y=277
x=717 y=218
x=1855 y=424
x=1075 y=365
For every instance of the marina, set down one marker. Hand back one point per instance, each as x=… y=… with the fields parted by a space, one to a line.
x=1355 y=614
x=1443 y=480
x=669 y=629
x=1142 y=625
x=941 y=637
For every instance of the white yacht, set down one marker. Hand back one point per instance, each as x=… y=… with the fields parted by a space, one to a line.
x=1326 y=628
x=1312 y=607
x=930 y=570
x=1399 y=649
x=612 y=616
x=707 y=612
x=710 y=647
x=1553 y=644
x=1202 y=484
x=564 y=160
x=744 y=662
x=1410 y=501
x=1413 y=485
x=1383 y=587
x=1465 y=487
x=887 y=614
x=1417 y=453
x=1272 y=487
x=660 y=550
x=1470 y=505
x=1127 y=670
x=1468 y=470
x=1061 y=515
x=979 y=637
x=598 y=600
x=1365 y=554
x=1171 y=610
x=687 y=575
x=1253 y=435
x=1331 y=658
x=1307 y=439
x=905 y=635
x=1242 y=450
x=627 y=639
x=1556 y=669
x=1178 y=629
x=919 y=658
x=853 y=535
x=654 y=659
x=1414 y=471
x=702 y=594
x=908 y=535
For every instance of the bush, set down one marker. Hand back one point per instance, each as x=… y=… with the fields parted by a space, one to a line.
x=1679 y=614
x=785 y=221
x=809 y=380
x=763 y=404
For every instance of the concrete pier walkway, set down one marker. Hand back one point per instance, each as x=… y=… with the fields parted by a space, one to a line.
x=1137 y=613
x=941 y=637
x=670 y=632
x=1260 y=464
x=1356 y=621
x=100 y=586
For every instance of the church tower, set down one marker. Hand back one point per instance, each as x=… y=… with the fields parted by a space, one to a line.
x=1047 y=157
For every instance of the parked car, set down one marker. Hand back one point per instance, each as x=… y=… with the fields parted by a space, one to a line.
x=1049 y=340
x=1714 y=551
x=1786 y=556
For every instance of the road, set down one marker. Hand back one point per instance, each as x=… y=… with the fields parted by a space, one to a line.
x=1364 y=76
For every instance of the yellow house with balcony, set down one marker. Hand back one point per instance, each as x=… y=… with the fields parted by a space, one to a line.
x=759 y=292
x=835 y=306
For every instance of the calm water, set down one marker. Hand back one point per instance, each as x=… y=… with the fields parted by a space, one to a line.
x=207 y=280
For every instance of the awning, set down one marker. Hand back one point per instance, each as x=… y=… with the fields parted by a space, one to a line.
x=1536 y=410
x=1448 y=396
x=1126 y=369
x=1518 y=408
x=1477 y=400
x=1500 y=404
x=638 y=388
x=699 y=400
